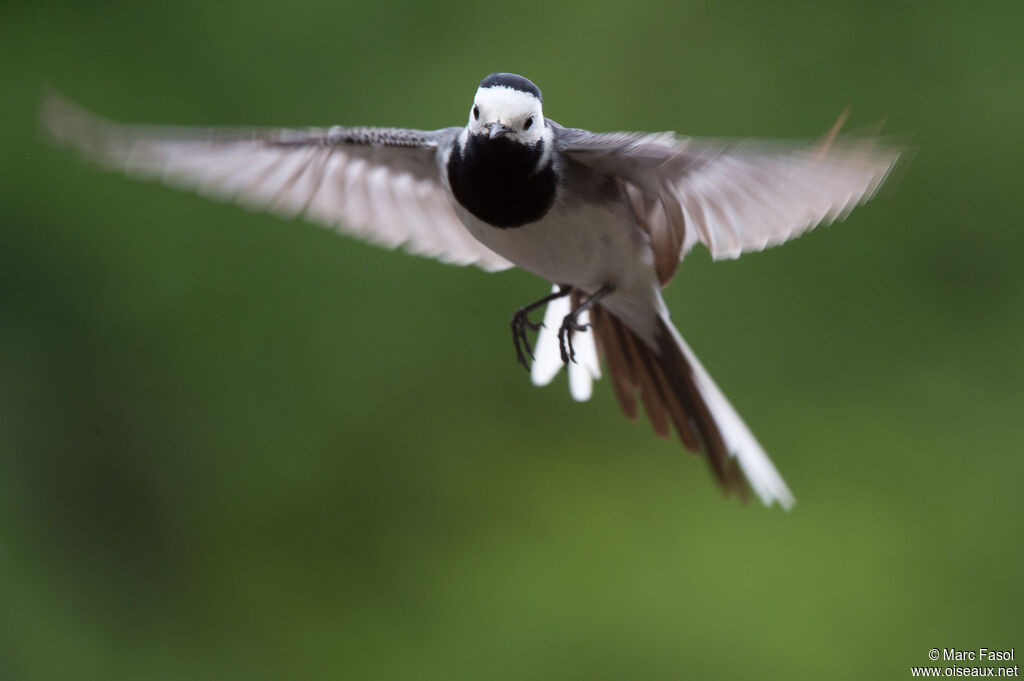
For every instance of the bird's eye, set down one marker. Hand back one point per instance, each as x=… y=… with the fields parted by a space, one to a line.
x=476 y=112
x=528 y=123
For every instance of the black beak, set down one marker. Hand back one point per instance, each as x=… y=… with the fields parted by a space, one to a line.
x=496 y=129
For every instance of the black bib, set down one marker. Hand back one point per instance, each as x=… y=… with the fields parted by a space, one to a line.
x=498 y=182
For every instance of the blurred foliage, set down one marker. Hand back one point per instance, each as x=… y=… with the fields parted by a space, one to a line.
x=233 y=446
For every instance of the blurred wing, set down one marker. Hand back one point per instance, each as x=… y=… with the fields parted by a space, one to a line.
x=380 y=184
x=733 y=197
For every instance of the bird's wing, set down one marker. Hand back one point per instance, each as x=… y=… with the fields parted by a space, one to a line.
x=379 y=184
x=732 y=196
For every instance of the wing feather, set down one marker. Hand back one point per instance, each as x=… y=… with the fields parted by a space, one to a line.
x=734 y=197
x=380 y=184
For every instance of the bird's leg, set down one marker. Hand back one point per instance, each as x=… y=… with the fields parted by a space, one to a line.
x=570 y=324
x=521 y=322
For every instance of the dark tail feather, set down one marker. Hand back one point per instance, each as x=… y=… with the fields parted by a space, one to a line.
x=669 y=389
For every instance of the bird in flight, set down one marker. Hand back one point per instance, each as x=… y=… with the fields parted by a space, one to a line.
x=606 y=218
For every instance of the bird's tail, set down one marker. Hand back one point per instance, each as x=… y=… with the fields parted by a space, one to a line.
x=675 y=390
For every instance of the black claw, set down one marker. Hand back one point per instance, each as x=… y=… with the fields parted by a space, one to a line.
x=569 y=326
x=562 y=342
x=520 y=323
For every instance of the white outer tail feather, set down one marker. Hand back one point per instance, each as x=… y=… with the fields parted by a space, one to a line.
x=759 y=470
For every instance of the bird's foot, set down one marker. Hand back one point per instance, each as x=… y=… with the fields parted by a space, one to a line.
x=520 y=323
x=570 y=325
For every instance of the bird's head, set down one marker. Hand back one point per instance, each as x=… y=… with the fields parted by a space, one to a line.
x=507 y=106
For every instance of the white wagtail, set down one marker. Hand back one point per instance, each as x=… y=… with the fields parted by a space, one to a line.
x=605 y=217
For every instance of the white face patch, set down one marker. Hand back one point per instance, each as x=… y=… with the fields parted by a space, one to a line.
x=517 y=110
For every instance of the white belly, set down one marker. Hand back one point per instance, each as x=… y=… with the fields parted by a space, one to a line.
x=586 y=245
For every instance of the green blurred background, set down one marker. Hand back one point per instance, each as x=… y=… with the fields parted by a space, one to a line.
x=234 y=446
